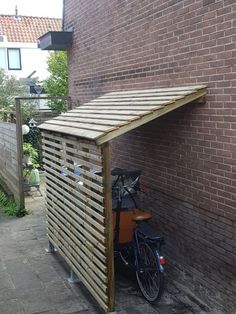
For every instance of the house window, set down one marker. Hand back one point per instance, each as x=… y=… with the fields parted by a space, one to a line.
x=3 y=59
x=14 y=59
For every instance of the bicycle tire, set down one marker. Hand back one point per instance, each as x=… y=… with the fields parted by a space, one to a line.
x=149 y=277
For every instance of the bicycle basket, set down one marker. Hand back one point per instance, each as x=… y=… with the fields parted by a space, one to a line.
x=125 y=187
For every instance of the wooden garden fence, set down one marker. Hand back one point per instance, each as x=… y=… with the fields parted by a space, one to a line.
x=79 y=210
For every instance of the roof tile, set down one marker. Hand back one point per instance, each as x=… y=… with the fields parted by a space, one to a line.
x=27 y=29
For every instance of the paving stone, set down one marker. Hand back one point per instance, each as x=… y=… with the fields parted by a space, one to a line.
x=26 y=280
x=5 y=281
x=68 y=303
x=36 y=301
x=12 y=307
x=57 y=287
x=7 y=294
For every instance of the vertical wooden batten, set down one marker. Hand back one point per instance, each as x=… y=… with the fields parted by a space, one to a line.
x=19 y=139
x=108 y=226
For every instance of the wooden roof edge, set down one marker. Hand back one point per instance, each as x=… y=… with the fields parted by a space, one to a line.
x=160 y=89
x=153 y=115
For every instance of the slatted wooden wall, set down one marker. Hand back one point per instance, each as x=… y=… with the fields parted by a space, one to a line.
x=9 y=176
x=79 y=211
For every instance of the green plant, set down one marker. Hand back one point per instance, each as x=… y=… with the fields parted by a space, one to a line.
x=10 y=87
x=57 y=83
x=35 y=139
x=8 y=204
x=30 y=151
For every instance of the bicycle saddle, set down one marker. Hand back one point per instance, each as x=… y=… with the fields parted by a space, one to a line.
x=141 y=216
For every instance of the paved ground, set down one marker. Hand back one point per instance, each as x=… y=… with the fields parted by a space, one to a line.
x=32 y=281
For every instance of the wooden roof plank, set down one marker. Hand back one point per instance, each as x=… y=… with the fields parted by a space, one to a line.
x=149 y=95
x=150 y=117
x=85 y=126
x=156 y=99
x=92 y=135
x=104 y=116
x=162 y=89
x=91 y=121
x=112 y=111
x=103 y=107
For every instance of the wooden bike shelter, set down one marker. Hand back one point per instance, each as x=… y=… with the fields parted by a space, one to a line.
x=78 y=184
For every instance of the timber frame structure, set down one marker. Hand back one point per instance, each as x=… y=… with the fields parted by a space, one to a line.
x=78 y=184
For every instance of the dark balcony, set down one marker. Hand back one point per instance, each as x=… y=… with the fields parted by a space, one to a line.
x=55 y=41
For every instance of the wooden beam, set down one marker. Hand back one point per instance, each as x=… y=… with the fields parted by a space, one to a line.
x=19 y=141
x=108 y=226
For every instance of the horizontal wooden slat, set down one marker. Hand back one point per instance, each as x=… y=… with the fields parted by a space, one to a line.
x=70 y=139
x=144 y=95
x=71 y=224
x=162 y=89
x=72 y=158
x=99 y=111
x=77 y=179
x=79 y=152
x=78 y=197
x=88 y=223
x=61 y=225
x=99 y=128
x=73 y=118
x=54 y=171
x=51 y=143
x=75 y=221
x=121 y=106
x=71 y=260
x=158 y=100
x=69 y=130
x=85 y=215
x=75 y=153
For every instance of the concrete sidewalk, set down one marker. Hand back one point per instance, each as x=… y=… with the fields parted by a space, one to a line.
x=33 y=281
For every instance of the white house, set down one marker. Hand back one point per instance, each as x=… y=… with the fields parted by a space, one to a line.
x=19 y=53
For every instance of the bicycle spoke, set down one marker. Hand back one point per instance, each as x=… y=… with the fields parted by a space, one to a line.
x=148 y=276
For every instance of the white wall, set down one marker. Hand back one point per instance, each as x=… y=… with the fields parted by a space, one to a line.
x=32 y=59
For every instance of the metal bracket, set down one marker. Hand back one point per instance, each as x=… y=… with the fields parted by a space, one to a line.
x=51 y=248
x=73 y=277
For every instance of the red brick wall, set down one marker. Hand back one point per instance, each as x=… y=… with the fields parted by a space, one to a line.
x=188 y=156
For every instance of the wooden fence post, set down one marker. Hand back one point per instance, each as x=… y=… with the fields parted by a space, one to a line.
x=19 y=140
x=109 y=226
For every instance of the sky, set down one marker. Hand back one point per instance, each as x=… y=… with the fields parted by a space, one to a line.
x=46 y=8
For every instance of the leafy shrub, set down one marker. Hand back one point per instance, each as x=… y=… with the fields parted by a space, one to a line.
x=57 y=83
x=8 y=204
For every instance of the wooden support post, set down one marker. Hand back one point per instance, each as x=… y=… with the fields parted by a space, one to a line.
x=19 y=139
x=69 y=103
x=108 y=226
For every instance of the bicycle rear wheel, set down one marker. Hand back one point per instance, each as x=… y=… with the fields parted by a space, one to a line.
x=149 y=277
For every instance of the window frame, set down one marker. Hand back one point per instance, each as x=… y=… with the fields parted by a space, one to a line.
x=16 y=69
x=4 y=49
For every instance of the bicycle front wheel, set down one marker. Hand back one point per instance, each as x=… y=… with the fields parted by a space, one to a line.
x=149 y=277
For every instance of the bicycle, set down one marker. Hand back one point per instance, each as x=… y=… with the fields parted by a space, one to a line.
x=136 y=244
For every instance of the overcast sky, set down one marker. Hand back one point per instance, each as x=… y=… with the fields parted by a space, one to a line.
x=46 y=8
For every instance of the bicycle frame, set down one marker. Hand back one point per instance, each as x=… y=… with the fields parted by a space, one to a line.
x=134 y=246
